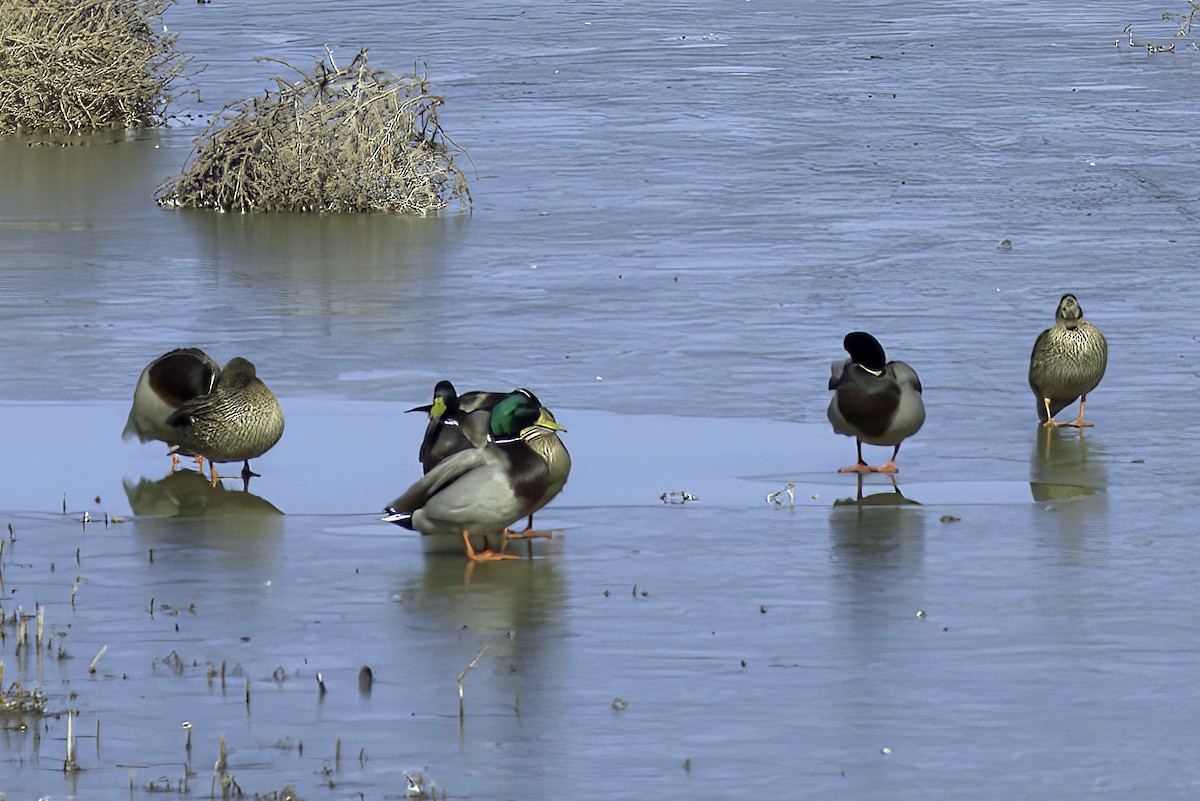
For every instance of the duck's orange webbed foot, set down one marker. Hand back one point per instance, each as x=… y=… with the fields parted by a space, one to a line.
x=487 y=555
x=526 y=534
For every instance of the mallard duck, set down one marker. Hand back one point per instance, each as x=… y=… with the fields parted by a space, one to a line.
x=166 y=384
x=239 y=420
x=1067 y=362
x=875 y=401
x=545 y=441
x=482 y=491
x=458 y=422
x=455 y=423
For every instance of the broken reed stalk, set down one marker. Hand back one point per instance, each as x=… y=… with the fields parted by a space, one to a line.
x=338 y=139
x=463 y=675
x=78 y=65
x=219 y=768
x=96 y=658
x=70 y=765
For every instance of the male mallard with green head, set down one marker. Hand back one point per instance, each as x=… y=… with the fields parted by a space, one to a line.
x=459 y=422
x=166 y=384
x=239 y=420
x=482 y=491
x=1067 y=362
x=874 y=400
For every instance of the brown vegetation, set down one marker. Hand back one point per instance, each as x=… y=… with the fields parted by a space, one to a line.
x=72 y=65
x=342 y=139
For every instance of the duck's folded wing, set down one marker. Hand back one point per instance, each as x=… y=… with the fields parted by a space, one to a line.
x=201 y=406
x=837 y=373
x=905 y=375
x=476 y=400
x=438 y=478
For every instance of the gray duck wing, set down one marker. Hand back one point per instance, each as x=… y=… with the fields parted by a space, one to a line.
x=480 y=497
x=442 y=474
x=476 y=400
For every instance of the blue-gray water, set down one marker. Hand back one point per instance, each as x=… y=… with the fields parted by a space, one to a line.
x=679 y=211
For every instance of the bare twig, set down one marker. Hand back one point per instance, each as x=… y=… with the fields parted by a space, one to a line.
x=463 y=675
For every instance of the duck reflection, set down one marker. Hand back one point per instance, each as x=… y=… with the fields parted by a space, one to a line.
x=893 y=498
x=1060 y=470
x=185 y=493
x=495 y=598
x=877 y=531
x=514 y=609
x=241 y=531
x=1069 y=481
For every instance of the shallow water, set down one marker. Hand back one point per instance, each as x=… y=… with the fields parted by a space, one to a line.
x=679 y=211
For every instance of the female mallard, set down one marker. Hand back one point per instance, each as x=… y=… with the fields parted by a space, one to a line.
x=875 y=401
x=459 y=422
x=482 y=491
x=239 y=420
x=1067 y=362
x=166 y=384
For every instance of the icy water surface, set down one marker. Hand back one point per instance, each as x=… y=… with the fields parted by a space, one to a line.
x=680 y=209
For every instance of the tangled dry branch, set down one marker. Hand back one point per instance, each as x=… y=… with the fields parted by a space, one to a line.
x=70 y=65
x=340 y=139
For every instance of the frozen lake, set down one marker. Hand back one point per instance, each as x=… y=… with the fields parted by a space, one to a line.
x=680 y=209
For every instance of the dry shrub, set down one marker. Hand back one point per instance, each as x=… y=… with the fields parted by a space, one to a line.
x=85 y=64
x=346 y=139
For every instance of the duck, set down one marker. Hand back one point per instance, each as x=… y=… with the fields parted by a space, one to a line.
x=875 y=401
x=239 y=420
x=164 y=385
x=1067 y=362
x=455 y=423
x=459 y=422
x=483 y=491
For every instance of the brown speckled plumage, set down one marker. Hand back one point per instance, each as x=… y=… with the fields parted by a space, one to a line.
x=239 y=420
x=1068 y=360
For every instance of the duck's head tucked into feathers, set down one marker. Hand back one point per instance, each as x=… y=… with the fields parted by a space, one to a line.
x=166 y=384
x=865 y=351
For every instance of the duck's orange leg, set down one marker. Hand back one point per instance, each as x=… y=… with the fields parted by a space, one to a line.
x=861 y=467
x=1078 y=422
x=889 y=468
x=1050 y=421
x=486 y=555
